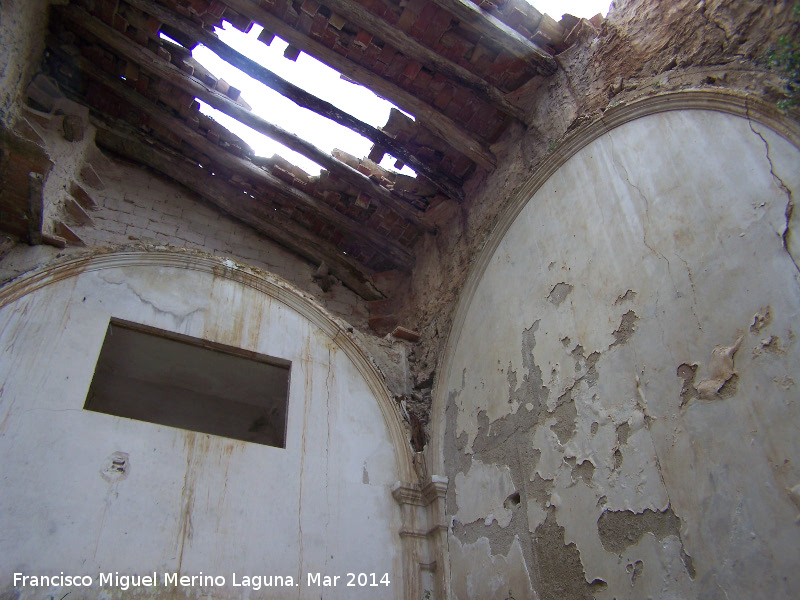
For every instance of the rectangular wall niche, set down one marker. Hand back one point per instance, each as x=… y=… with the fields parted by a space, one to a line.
x=170 y=379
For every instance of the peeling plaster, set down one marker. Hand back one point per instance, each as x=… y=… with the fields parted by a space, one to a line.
x=481 y=494
x=599 y=417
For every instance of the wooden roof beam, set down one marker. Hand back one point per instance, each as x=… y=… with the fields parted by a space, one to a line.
x=168 y=72
x=499 y=34
x=299 y=96
x=404 y=43
x=437 y=122
x=389 y=249
x=229 y=199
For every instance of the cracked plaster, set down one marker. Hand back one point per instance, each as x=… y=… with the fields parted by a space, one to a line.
x=672 y=241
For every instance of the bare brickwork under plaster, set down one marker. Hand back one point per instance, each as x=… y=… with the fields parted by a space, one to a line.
x=618 y=416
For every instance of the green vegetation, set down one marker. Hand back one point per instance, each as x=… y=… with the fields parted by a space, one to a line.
x=785 y=57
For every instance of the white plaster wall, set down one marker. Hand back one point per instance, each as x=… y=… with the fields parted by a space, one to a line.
x=677 y=217
x=22 y=26
x=191 y=502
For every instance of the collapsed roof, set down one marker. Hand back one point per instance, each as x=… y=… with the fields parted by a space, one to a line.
x=454 y=65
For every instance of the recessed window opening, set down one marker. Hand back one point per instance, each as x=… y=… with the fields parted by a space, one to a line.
x=170 y=379
x=307 y=73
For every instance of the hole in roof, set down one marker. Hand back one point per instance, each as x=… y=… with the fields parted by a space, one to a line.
x=308 y=74
x=585 y=9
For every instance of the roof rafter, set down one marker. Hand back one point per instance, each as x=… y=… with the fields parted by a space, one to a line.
x=390 y=250
x=407 y=45
x=437 y=122
x=230 y=199
x=302 y=98
x=501 y=35
x=156 y=65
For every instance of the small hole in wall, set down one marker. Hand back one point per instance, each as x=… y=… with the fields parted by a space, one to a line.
x=512 y=501
x=116 y=467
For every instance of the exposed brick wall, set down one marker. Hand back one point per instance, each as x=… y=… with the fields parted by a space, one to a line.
x=136 y=206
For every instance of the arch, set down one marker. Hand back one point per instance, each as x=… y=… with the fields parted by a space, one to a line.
x=266 y=283
x=724 y=101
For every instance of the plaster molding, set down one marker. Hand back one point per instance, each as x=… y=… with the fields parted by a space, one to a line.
x=267 y=283
x=725 y=101
x=424 y=533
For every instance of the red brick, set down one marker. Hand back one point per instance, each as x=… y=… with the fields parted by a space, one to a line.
x=424 y=20
x=310 y=7
x=412 y=69
x=142 y=83
x=120 y=24
x=217 y=8
x=462 y=95
x=452 y=110
x=280 y=8
x=304 y=23
x=482 y=66
x=319 y=27
x=443 y=98
x=372 y=53
x=329 y=38
x=397 y=230
x=391 y=17
x=107 y=10
x=153 y=25
x=362 y=39
x=423 y=80
x=439 y=24
x=199 y=6
x=398 y=65
x=291 y=17
x=387 y=54
x=138 y=35
x=438 y=83
x=466 y=113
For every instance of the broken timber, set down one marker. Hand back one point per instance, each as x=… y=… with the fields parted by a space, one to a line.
x=230 y=199
x=501 y=35
x=297 y=95
x=437 y=122
x=407 y=45
x=385 y=247
x=172 y=74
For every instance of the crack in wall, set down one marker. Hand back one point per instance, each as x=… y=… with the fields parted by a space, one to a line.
x=162 y=311
x=781 y=184
x=625 y=175
x=693 y=305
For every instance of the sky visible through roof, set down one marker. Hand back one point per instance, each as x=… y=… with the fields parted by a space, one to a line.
x=322 y=81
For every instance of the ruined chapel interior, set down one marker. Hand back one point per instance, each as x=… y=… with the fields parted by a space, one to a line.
x=538 y=342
